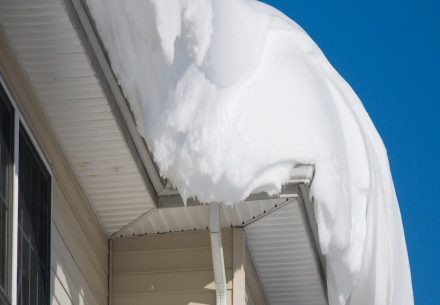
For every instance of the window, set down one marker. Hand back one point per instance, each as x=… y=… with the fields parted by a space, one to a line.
x=30 y=271
x=33 y=226
x=6 y=175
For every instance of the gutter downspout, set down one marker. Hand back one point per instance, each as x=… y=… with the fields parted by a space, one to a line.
x=218 y=261
x=110 y=271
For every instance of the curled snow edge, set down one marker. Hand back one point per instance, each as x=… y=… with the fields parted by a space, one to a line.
x=230 y=95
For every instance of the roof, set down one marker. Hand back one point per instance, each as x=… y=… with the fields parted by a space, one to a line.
x=57 y=46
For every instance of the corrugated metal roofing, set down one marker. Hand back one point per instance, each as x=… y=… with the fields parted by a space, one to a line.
x=282 y=249
x=50 y=51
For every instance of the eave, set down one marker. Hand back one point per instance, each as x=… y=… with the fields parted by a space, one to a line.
x=58 y=48
x=65 y=78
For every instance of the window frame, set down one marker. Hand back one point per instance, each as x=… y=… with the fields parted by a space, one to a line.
x=5 y=291
x=20 y=122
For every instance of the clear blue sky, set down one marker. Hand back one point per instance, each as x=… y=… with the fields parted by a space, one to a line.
x=389 y=51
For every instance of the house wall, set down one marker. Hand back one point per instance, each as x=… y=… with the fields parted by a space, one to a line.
x=176 y=269
x=168 y=269
x=79 y=245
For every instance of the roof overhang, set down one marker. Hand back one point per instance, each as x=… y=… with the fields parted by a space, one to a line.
x=285 y=254
x=56 y=44
x=83 y=103
x=281 y=235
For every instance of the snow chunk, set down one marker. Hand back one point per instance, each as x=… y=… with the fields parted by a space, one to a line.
x=230 y=95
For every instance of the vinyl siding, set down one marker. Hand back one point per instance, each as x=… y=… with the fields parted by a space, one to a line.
x=79 y=254
x=168 y=269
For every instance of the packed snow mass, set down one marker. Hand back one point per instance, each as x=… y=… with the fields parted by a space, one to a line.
x=230 y=95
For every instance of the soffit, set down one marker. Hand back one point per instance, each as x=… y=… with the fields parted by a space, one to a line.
x=192 y=218
x=48 y=48
x=173 y=216
x=279 y=237
x=282 y=248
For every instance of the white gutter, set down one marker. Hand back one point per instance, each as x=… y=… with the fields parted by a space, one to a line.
x=217 y=254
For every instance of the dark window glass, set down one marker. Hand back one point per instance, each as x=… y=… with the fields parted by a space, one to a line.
x=6 y=175
x=33 y=226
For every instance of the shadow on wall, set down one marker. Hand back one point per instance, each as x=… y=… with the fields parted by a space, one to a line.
x=68 y=285
x=167 y=269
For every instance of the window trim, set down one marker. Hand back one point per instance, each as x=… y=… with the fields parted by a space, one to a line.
x=8 y=246
x=19 y=115
x=19 y=119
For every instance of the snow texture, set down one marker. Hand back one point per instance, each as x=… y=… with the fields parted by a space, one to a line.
x=230 y=95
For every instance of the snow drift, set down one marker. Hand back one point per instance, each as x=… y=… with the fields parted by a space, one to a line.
x=230 y=95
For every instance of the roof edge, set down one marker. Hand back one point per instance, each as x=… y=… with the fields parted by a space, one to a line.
x=95 y=51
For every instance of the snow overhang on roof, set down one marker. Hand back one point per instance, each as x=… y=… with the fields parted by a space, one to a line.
x=58 y=48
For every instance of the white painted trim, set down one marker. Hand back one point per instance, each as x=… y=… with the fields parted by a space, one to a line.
x=51 y=286
x=238 y=264
x=28 y=130
x=110 y=272
x=14 y=251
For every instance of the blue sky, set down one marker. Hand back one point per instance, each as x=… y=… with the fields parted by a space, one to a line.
x=389 y=52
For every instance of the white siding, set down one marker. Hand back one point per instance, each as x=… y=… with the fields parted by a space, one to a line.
x=247 y=289
x=75 y=263
x=168 y=269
